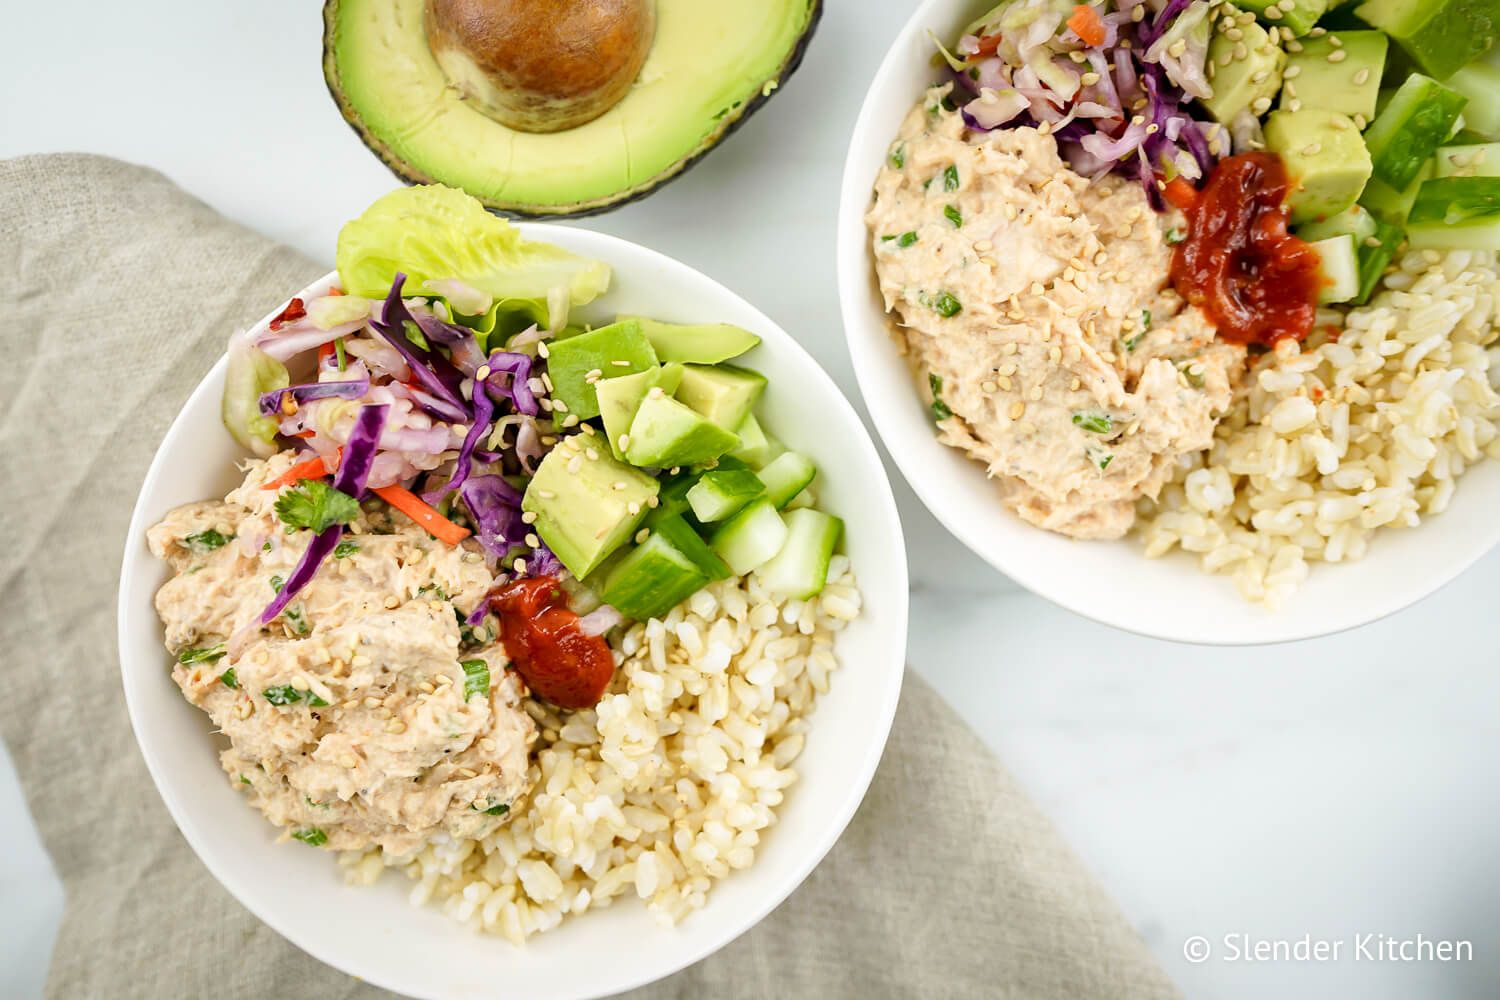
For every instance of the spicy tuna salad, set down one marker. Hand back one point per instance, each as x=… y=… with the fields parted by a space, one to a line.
x=1183 y=270
x=530 y=608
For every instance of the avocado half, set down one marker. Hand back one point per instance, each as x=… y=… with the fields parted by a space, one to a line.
x=712 y=63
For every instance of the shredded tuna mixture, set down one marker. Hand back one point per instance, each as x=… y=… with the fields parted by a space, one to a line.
x=347 y=719
x=1033 y=304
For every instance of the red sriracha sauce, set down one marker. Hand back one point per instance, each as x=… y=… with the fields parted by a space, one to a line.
x=546 y=645
x=1253 y=279
x=294 y=311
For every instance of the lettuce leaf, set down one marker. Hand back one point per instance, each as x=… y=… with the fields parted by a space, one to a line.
x=251 y=372
x=435 y=234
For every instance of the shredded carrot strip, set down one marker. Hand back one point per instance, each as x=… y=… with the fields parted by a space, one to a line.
x=430 y=520
x=1180 y=193
x=1087 y=25
x=311 y=468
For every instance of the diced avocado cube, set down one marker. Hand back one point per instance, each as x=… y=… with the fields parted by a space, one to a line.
x=1456 y=213
x=588 y=508
x=1480 y=83
x=1355 y=221
x=722 y=393
x=666 y=433
x=800 y=569
x=1298 y=15
x=1480 y=160
x=1440 y=35
x=1239 y=83
x=651 y=579
x=1375 y=254
x=752 y=536
x=1339 y=269
x=787 y=475
x=756 y=446
x=620 y=397
x=685 y=539
x=701 y=344
x=574 y=365
x=1349 y=85
x=1417 y=120
x=720 y=493
x=1326 y=160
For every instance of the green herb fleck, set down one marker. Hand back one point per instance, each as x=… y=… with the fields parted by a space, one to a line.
x=476 y=678
x=903 y=240
x=974 y=73
x=229 y=679
x=316 y=805
x=414 y=334
x=1094 y=421
x=1175 y=236
x=946 y=305
x=345 y=548
x=277 y=583
x=948 y=103
x=1145 y=319
x=206 y=541
x=954 y=216
x=282 y=694
x=244 y=780
x=927 y=184
x=940 y=410
x=1131 y=342
x=1104 y=462
x=338 y=349
x=499 y=810
x=315 y=701
x=207 y=654
x=316 y=506
x=1193 y=372
x=950 y=178
x=266 y=547
x=312 y=835
x=898 y=156
x=297 y=619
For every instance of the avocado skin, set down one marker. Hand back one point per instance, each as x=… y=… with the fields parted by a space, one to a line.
x=727 y=125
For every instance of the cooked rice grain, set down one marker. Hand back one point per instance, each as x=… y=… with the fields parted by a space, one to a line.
x=1338 y=439
x=663 y=787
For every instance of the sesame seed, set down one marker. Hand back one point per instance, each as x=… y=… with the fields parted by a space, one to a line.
x=1235 y=34
x=653 y=502
x=571 y=420
x=1312 y=149
x=642 y=535
x=1273 y=13
x=633 y=507
x=989 y=262
x=1337 y=55
x=1292 y=45
x=481 y=373
x=620 y=364
x=1333 y=40
x=547 y=381
x=1292 y=72
x=574 y=464
x=981 y=246
x=624 y=441
x=395 y=727
x=1226 y=58
x=1077 y=56
x=520 y=565
x=1089 y=79
x=587 y=429
x=1017 y=409
x=1004 y=382
x=988 y=386
x=533 y=541
x=1138 y=120
x=542 y=349
x=348 y=760
x=559 y=406
x=529 y=517
x=1294 y=105
x=1360 y=121
x=1261 y=106
x=546 y=494
x=1044 y=128
x=1260 y=77
x=1177 y=48
x=1153 y=128
x=1362 y=77
x=1035 y=394
x=1290 y=90
x=593 y=455
x=1372 y=241
x=1138 y=13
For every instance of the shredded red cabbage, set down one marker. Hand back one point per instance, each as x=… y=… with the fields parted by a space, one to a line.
x=352 y=474
x=435 y=372
x=272 y=403
x=517 y=367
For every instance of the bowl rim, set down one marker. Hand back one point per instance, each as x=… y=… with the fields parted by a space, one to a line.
x=894 y=623
x=899 y=435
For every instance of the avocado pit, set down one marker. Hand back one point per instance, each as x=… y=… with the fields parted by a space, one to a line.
x=540 y=65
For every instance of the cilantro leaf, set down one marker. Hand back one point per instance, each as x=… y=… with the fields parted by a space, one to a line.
x=207 y=654
x=312 y=835
x=206 y=541
x=316 y=506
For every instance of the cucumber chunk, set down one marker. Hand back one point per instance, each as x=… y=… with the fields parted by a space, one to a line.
x=800 y=569
x=1480 y=83
x=751 y=537
x=1375 y=256
x=1456 y=213
x=1390 y=205
x=1339 y=268
x=721 y=493
x=1355 y=221
x=787 y=475
x=672 y=499
x=1481 y=160
x=687 y=541
x=652 y=579
x=1439 y=35
x=1417 y=120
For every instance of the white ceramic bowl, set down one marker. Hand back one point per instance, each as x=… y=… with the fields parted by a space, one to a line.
x=375 y=933
x=1111 y=582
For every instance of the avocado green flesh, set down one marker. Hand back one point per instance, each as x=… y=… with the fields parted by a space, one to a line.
x=710 y=64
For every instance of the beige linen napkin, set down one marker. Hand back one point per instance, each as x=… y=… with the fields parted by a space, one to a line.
x=123 y=289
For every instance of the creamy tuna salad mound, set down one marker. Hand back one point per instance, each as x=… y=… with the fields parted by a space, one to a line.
x=1034 y=305
x=351 y=719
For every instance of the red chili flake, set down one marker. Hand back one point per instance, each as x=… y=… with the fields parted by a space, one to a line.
x=294 y=311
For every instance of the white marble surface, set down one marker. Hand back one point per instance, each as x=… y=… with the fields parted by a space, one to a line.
x=1331 y=788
